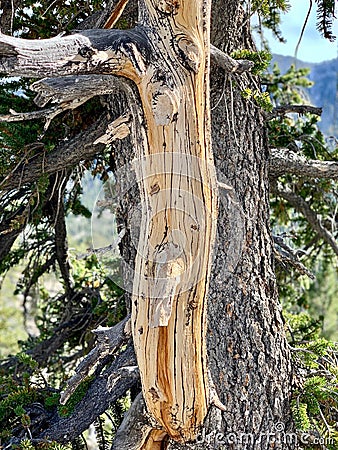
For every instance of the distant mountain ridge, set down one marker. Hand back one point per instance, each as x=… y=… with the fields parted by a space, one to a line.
x=323 y=93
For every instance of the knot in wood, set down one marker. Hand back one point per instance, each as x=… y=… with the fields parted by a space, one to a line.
x=191 y=52
x=168 y=6
x=86 y=52
x=164 y=104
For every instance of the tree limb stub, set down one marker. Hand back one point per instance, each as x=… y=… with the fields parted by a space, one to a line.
x=229 y=64
x=296 y=109
x=285 y=161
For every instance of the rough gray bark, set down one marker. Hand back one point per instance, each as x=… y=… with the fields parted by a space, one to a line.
x=105 y=389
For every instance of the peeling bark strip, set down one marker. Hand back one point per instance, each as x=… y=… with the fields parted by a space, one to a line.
x=167 y=56
x=178 y=191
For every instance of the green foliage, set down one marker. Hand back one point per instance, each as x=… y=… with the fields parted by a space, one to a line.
x=261 y=62
x=303 y=138
x=315 y=400
x=325 y=16
x=261 y=59
x=270 y=12
x=306 y=303
x=81 y=390
x=300 y=416
x=26 y=444
x=45 y=19
x=262 y=99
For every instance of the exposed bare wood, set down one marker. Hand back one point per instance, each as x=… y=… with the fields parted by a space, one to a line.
x=176 y=176
x=116 y=14
x=178 y=189
x=92 y=51
x=284 y=160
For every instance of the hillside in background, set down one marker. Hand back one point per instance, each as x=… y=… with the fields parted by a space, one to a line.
x=323 y=93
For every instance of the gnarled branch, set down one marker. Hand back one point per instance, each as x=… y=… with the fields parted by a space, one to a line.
x=285 y=161
x=68 y=154
x=296 y=109
x=124 y=53
x=311 y=216
x=108 y=340
x=122 y=374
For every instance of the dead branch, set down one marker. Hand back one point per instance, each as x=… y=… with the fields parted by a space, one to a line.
x=108 y=341
x=110 y=249
x=119 y=52
x=304 y=208
x=84 y=146
x=296 y=109
x=284 y=160
x=74 y=89
x=69 y=92
x=288 y=257
x=46 y=114
x=229 y=64
x=95 y=402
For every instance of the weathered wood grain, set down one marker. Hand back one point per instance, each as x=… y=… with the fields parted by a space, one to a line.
x=179 y=199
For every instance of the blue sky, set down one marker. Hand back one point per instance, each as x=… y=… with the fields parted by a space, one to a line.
x=313 y=47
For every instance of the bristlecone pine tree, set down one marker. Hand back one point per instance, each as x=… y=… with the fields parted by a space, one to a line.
x=203 y=329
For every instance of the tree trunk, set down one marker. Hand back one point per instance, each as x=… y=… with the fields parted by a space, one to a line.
x=178 y=195
x=247 y=350
x=166 y=56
